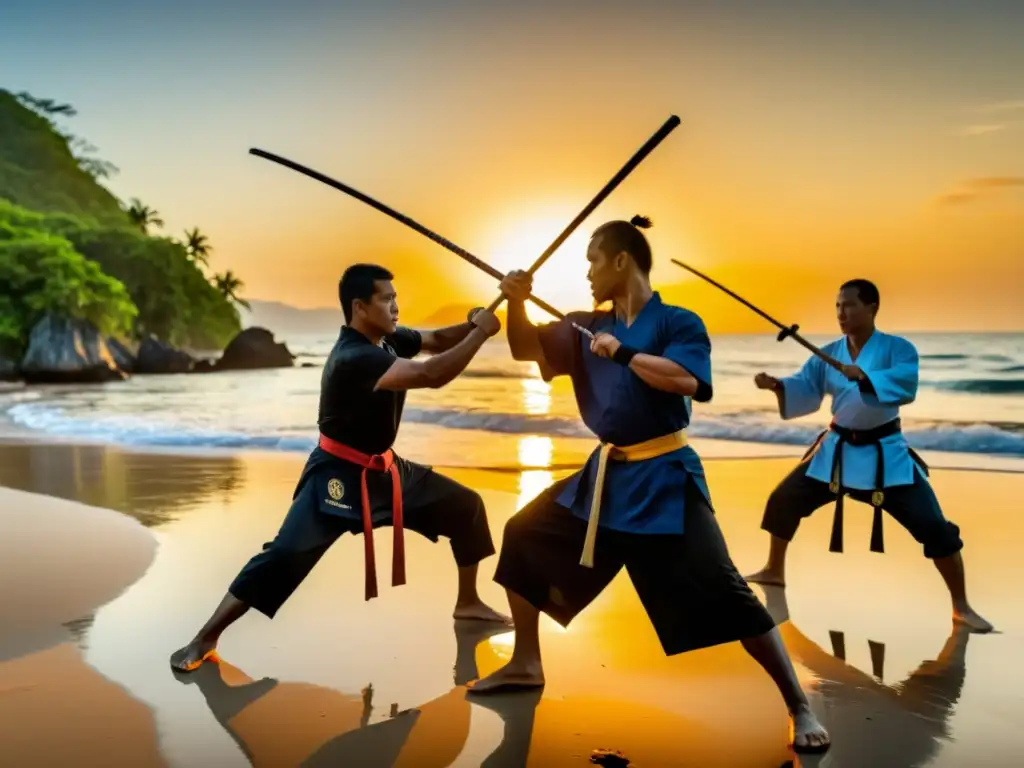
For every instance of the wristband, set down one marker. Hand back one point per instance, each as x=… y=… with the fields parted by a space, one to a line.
x=624 y=354
x=469 y=315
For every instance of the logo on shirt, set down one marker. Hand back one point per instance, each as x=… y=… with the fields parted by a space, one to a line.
x=335 y=488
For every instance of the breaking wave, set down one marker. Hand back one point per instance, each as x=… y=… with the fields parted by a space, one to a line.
x=985 y=386
x=959 y=437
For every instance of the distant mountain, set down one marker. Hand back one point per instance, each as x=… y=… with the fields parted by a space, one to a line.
x=283 y=319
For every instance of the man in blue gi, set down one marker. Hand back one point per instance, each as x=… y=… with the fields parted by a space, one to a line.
x=641 y=500
x=863 y=453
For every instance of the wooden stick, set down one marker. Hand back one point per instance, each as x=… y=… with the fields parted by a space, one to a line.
x=628 y=168
x=442 y=241
x=790 y=331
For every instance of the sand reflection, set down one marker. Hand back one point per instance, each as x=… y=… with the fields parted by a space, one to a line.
x=297 y=690
x=300 y=724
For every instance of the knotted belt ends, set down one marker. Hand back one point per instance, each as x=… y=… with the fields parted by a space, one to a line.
x=860 y=437
x=384 y=462
x=649 y=449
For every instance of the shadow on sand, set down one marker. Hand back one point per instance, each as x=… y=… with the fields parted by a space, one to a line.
x=871 y=723
x=306 y=725
x=299 y=724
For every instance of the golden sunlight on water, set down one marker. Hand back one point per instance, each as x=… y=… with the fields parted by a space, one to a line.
x=536 y=397
x=534 y=451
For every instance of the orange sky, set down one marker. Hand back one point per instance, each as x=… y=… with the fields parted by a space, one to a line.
x=817 y=144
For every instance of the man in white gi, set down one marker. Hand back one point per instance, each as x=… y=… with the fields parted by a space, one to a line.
x=863 y=453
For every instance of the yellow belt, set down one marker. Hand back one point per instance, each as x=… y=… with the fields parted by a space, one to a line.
x=649 y=449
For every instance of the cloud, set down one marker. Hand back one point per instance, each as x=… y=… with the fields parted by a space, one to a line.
x=1002 y=107
x=981 y=130
x=996 y=181
x=971 y=190
x=998 y=116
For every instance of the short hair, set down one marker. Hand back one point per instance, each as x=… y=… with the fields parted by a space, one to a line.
x=867 y=291
x=626 y=236
x=358 y=282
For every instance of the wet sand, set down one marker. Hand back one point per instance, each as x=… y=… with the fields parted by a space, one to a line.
x=60 y=561
x=334 y=680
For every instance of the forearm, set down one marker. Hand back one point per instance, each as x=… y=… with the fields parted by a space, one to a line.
x=664 y=374
x=523 y=339
x=443 y=339
x=445 y=366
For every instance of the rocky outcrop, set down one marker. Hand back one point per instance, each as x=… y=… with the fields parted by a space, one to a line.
x=255 y=348
x=64 y=350
x=8 y=369
x=123 y=356
x=157 y=356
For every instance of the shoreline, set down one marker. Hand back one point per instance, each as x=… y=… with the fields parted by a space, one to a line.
x=285 y=694
x=732 y=451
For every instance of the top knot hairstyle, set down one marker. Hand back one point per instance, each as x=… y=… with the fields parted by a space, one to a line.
x=626 y=236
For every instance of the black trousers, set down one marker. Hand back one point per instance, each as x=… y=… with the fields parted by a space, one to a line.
x=915 y=507
x=687 y=583
x=433 y=506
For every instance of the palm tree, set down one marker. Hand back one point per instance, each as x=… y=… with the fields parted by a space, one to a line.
x=142 y=216
x=228 y=284
x=197 y=247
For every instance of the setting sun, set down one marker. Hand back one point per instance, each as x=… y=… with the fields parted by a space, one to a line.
x=519 y=240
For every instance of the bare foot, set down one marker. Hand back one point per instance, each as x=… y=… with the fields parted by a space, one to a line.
x=479 y=611
x=970 y=619
x=514 y=676
x=767 y=576
x=808 y=734
x=191 y=657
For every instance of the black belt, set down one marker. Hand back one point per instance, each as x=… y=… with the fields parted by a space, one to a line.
x=861 y=437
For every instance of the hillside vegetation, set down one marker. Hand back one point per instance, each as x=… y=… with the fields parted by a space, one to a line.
x=69 y=247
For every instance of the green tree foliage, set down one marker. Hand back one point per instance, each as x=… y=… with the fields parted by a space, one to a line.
x=38 y=169
x=46 y=274
x=197 y=246
x=228 y=284
x=55 y=217
x=142 y=216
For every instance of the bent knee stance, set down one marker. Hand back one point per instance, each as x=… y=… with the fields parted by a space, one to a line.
x=917 y=509
x=514 y=570
x=270 y=577
x=470 y=533
x=783 y=513
x=793 y=499
x=944 y=541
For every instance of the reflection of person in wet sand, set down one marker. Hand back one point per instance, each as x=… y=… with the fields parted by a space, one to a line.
x=879 y=725
x=277 y=723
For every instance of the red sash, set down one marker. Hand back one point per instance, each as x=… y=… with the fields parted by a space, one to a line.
x=381 y=463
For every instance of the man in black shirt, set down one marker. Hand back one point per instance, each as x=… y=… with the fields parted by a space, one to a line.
x=353 y=482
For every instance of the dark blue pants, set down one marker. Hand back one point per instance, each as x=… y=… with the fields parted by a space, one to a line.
x=434 y=506
x=915 y=507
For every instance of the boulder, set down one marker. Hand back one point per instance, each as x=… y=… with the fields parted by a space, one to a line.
x=63 y=350
x=255 y=348
x=156 y=356
x=8 y=369
x=123 y=355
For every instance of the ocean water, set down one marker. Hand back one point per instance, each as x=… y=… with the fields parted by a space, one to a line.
x=501 y=414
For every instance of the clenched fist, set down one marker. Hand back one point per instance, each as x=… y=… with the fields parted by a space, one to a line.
x=486 y=322
x=764 y=381
x=517 y=285
x=605 y=345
